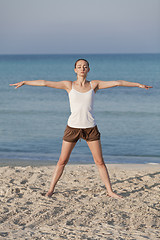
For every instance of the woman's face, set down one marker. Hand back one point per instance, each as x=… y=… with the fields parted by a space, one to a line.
x=82 y=68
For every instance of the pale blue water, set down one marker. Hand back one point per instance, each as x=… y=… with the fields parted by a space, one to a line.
x=33 y=119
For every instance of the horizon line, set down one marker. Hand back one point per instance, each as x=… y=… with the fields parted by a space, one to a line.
x=4 y=54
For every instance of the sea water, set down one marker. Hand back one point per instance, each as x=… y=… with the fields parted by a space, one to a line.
x=33 y=119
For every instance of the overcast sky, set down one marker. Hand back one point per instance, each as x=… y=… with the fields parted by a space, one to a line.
x=79 y=26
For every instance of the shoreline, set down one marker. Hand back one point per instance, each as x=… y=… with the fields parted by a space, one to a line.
x=35 y=163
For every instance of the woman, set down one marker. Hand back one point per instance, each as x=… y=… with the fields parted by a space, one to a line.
x=81 y=123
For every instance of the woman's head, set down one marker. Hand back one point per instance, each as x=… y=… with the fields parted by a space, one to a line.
x=81 y=67
x=81 y=59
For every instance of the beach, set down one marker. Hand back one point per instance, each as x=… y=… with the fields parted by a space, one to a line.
x=80 y=207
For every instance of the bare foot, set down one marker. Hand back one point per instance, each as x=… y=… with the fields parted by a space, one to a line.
x=114 y=195
x=49 y=194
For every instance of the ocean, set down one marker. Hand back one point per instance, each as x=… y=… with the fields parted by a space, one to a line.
x=33 y=119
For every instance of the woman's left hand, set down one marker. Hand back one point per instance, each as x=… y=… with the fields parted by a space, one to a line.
x=144 y=86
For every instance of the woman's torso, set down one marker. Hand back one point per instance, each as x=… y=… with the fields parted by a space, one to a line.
x=81 y=106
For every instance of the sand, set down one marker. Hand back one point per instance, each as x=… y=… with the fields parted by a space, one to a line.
x=80 y=207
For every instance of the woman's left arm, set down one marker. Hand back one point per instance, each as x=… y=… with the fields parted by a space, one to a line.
x=132 y=84
x=108 y=84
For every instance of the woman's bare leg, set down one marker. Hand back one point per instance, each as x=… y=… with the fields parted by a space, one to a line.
x=96 y=150
x=66 y=150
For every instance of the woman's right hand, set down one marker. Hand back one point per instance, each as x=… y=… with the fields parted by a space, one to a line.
x=19 y=84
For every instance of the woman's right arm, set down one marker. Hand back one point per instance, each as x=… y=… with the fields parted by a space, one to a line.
x=66 y=85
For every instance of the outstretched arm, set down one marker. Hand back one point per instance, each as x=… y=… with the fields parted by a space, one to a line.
x=108 y=84
x=132 y=84
x=61 y=85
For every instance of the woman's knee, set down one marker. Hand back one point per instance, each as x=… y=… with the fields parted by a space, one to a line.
x=62 y=161
x=99 y=161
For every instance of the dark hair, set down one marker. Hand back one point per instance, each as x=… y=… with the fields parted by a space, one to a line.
x=80 y=60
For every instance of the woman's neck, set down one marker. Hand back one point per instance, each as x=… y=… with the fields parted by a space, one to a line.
x=81 y=81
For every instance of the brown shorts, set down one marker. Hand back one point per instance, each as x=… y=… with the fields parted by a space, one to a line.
x=74 y=134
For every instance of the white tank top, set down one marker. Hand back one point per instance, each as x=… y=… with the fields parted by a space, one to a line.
x=81 y=106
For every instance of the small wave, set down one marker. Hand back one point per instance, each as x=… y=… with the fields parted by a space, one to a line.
x=153 y=163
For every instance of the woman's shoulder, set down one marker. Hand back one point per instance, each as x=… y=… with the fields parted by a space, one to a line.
x=67 y=82
x=94 y=84
x=68 y=85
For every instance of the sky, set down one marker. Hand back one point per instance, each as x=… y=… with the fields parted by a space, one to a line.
x=79 y=26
